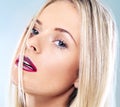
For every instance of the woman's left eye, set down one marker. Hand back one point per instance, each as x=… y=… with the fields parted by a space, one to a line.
x=61 y=44
x=35 y=31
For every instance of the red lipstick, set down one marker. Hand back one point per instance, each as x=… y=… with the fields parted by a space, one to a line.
x=27 y=64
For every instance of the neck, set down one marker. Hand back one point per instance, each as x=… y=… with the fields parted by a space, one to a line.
x=40 y=101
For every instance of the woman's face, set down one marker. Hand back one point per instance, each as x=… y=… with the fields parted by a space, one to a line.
x=53 y=48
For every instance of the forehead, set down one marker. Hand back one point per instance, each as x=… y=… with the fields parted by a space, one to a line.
x=61 y=14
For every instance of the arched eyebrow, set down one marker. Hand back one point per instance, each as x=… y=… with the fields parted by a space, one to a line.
x=39 y=22
x=60 y=30
x=67 y=32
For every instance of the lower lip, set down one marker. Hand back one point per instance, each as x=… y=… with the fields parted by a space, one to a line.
x=25 y=68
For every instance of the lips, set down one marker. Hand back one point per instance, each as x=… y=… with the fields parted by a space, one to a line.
x=27 y=64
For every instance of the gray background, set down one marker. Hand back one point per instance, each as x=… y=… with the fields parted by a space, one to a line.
x=14 y=16
x=114 y=5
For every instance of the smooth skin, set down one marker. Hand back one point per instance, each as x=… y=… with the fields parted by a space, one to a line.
x=53 y=47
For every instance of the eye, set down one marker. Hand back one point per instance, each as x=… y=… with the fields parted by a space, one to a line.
x=34 y=31
x=61 y=44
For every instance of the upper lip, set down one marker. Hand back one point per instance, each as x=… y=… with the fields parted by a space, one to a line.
x=28 y=63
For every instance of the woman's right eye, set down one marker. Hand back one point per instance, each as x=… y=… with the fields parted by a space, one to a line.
x=34 y=31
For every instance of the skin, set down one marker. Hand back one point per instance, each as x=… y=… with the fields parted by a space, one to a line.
x=57 y=65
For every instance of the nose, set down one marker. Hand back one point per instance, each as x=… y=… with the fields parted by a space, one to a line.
x=33 y=45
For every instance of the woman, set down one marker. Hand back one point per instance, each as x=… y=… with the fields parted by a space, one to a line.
x=66 y=57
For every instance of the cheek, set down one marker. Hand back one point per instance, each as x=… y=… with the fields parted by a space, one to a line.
x=62 y=69
x=54 y=76
x=14 y=72
x=14 y=75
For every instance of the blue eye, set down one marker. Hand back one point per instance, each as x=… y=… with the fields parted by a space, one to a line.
x=34 y=31
x=61 y=44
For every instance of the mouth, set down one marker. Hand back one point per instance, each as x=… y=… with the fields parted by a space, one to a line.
x=27 y=64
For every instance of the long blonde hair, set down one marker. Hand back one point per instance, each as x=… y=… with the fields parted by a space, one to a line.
x=97 y=56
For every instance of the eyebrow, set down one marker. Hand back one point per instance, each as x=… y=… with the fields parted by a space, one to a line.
x=60 y=30
x=65 y=31
x=39 y=22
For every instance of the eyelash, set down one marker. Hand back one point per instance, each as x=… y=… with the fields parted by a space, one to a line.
x=60 y=44
x=34 y=31
x=57 y=42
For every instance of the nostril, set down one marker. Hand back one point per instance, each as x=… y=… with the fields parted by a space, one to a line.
x=33 y=48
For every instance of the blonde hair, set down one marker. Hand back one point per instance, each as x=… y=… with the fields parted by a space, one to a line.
x=97 y=56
